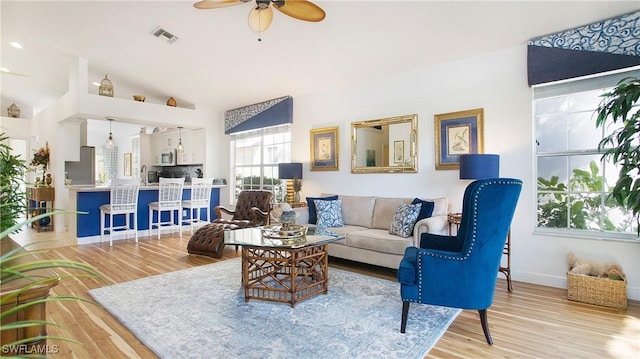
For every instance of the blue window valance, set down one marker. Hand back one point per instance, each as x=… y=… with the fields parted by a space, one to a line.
x=603 y=46
x=277 y=111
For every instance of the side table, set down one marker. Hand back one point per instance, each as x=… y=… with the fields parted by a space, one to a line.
x=455 y=218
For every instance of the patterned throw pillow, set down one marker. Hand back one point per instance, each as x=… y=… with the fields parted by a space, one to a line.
x=427 y=208
x=404 y=220
x=311 y=204
x=329 y=213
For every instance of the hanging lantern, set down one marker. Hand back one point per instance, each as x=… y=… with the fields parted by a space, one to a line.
x=106 y=87
x=13 y=110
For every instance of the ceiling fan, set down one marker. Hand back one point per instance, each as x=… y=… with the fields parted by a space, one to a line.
x=261 y=14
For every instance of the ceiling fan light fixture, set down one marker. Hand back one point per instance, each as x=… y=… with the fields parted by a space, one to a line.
x=260 y=18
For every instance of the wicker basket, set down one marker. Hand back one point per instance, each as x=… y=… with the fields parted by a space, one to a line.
x=598 y=291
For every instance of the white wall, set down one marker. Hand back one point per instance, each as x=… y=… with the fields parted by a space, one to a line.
x=496 y=82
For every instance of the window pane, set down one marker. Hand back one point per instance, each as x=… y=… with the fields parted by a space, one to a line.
x=619 y=220
x=552 y=133
x=552 y=173
x=552 y=210
x=583 y=134
x=586 y=173
x=587 y=100
x=585 y=211
x=551 y=105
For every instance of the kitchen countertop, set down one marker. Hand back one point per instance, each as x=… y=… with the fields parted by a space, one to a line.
x=98 y=188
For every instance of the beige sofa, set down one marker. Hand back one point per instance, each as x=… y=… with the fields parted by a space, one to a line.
x=367 y=220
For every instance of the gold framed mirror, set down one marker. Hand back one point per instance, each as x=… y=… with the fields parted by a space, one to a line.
x=385 y=145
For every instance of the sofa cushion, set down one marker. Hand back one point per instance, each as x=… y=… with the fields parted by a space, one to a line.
x=357 y=210
x=378 y=240
x=329 y=213
x=312 y=206
x=440 y=207
x=404 y=220
x=384 y=211
x=426 y=210
x=344 y=231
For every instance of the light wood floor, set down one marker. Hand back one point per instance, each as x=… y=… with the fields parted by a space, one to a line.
x=531 y=322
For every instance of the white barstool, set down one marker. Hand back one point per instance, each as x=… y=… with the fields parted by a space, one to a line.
x=200 y=199
x=123 y=201
x=169 y=200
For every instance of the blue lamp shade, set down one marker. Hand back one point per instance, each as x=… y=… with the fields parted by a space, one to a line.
x=479 y=166
x=290 y=170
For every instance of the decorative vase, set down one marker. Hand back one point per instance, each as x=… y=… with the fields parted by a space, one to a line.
x=44 y=221
x=296 y=197
x=172 y=102
x=287 y=218
x=49 y=179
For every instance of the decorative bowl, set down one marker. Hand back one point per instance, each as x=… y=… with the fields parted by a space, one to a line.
x=139 y=98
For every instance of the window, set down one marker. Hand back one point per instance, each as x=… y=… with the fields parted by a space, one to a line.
x=255 y=156
x=573 y=183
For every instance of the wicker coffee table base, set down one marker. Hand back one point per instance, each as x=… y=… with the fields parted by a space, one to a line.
x=285 y=275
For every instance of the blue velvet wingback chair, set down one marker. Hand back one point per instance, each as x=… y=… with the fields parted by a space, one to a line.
x=460 y=271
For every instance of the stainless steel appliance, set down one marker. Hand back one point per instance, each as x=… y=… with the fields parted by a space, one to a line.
x=83 y=171
x=168 y=158
x=152 y=177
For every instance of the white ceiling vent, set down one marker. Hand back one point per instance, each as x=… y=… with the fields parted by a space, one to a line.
x=165 y=35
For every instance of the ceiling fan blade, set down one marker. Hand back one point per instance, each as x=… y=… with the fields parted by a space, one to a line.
x=213 y=4
x=300 y=9
x=260 y=19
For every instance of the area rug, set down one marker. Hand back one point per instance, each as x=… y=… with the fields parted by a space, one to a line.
x=201 y=313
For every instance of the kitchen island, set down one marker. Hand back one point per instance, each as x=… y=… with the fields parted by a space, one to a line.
x=87 y=199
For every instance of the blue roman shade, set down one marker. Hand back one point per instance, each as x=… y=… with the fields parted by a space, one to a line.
x=603 y=46
x=277 y=111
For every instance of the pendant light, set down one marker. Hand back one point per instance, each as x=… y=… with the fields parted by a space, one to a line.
x=180 y=147
x=110 y=142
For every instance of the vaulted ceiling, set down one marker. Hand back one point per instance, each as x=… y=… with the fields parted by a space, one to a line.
x=219 y=63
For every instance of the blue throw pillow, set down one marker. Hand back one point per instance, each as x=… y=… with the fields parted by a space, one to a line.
x=427 y=208
x=312 y=206
x=404 y=220
x=329 y=213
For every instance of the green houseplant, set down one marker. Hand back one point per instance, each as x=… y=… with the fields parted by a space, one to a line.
x=620 y=107
x=17 y=265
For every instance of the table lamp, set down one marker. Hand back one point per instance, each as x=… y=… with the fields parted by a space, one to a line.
x=479 y=166
x=291 y=171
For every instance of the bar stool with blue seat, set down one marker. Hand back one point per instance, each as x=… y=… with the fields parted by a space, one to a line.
x=169 y=200
x=200 y=199
x=123 y=201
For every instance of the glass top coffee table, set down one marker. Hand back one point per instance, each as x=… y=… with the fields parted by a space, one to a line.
x=283 y=266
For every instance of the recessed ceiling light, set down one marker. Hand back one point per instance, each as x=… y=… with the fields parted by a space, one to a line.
x=16 y=44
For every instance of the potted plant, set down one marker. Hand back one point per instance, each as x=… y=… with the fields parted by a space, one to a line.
x=620 y=107
x=21 y=272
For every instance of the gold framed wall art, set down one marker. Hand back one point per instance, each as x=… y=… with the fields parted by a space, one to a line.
x=324 y=149
x=457 y=133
